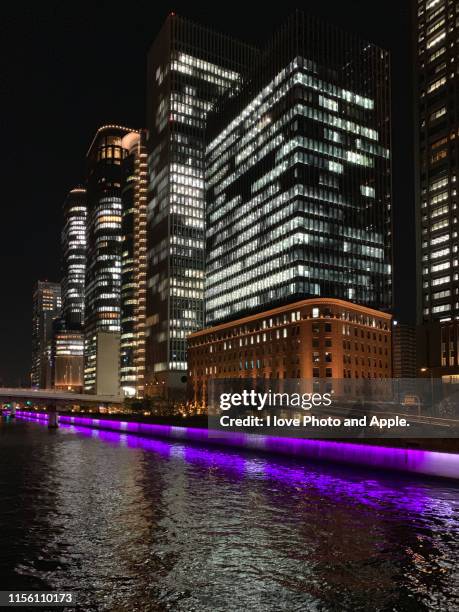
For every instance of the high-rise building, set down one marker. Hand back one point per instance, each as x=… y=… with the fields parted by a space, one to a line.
x=67 y=363
x=46 y=308
x=404 y=360
x=103 y=269
x=134 y=263
x=189 y=67
x=438 y=167
x=298 y=177
x=74 y=257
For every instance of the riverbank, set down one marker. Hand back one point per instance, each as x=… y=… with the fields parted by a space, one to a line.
x=444 y=445
x=402 y=459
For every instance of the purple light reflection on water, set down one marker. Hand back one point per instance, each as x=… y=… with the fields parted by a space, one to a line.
x=369 y=492
x=390 y=458
x=170 y=449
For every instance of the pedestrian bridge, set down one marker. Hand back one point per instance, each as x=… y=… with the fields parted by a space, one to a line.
x=58 y=399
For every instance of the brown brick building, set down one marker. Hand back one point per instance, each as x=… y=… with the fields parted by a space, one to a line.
x=319 y=337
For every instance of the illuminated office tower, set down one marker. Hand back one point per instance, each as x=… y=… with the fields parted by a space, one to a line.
x=67 y=362
x=74 y=257
x=189 y=67
x=298 y=177
x=438 y=161
x=134 y=264
x=103 y=269
x=46 y=308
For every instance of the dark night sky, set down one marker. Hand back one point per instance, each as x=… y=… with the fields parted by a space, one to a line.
x=68 y=67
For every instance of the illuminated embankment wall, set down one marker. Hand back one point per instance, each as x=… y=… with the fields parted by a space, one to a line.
x=428 y=463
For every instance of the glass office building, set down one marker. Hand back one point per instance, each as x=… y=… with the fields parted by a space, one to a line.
x=438 y=160
x=74 y=257
x=46 y=308
x=189 y=67
x=103 y=271
x=438 y=157
x=133 y=263
x=67 y=362
x=298 y=177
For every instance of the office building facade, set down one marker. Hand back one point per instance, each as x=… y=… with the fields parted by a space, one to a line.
x=313 y=338
x=438 y=163
x=102 y=323
x=46 y=308
x=404 y=358
x=189 y=67
x=298 y=177
x=134 y=263
x=67 y=357
x=73 y=240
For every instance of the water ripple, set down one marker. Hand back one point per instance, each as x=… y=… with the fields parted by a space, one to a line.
x=147 y=525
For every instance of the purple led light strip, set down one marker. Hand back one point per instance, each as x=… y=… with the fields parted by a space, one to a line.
x=402 y=459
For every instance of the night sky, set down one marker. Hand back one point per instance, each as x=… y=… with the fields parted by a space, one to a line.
x=66 y=68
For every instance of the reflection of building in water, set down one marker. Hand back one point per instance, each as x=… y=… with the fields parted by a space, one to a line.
x=314 y=338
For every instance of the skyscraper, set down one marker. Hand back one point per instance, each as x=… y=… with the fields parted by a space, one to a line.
x=189 y=67
x=134 y=263
x=67 y=362
x=74 y=257
x=46 y=308
x=438 y=155
x=298 y=177
x=403 y=350
x=103 y=270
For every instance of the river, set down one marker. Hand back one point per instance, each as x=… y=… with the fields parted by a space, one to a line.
x=138 y=524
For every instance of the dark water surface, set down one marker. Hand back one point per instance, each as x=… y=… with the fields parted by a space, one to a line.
x=134 y=524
